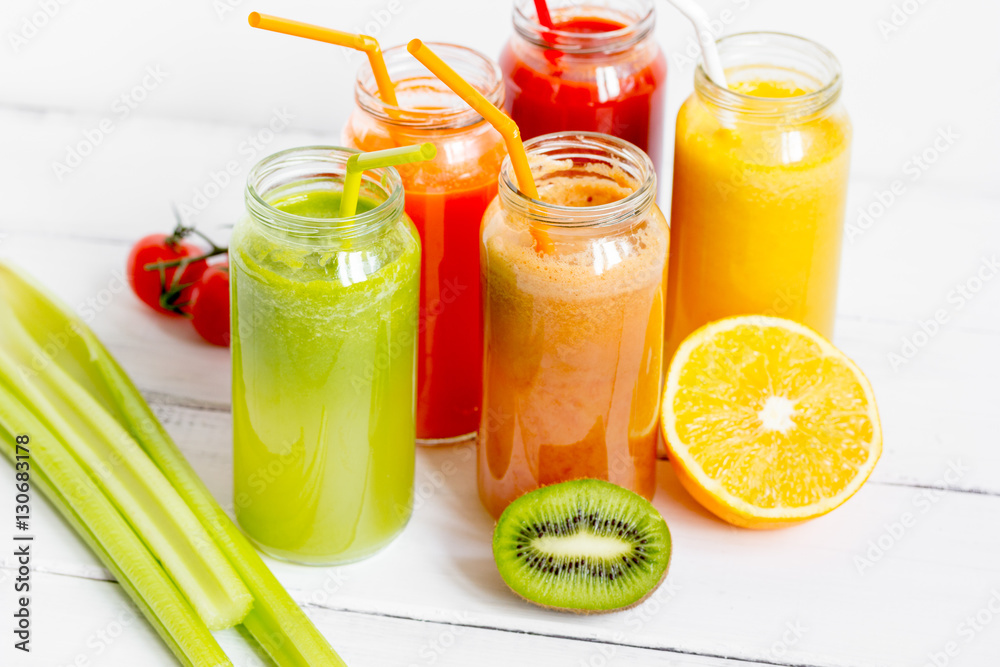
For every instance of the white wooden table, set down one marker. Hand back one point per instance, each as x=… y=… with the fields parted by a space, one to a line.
x=906 y=574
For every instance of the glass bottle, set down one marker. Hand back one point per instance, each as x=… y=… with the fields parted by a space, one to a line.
x=760 y=186
x=598 y=70
x=446 y=198
x=572 y=335
x=324 y=325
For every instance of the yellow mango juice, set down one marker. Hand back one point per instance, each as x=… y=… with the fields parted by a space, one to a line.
x=760 y=186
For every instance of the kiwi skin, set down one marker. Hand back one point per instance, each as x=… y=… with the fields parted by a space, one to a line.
x=597 y=612
x=541 y=512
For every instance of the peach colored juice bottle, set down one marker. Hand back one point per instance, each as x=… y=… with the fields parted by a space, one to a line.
x=574 y=336
x=760 y=184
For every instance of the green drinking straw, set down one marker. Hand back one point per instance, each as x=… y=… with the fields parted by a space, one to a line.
x=358 y=163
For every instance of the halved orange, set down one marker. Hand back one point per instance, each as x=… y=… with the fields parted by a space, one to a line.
x=767 y=423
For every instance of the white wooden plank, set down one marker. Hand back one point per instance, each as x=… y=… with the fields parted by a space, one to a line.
x=932 y=253
x=886 y=74
x=112 y=634
x=937 y=407
x=124 y=188
x=729 y=593
x=734 y=593
x=928 y=252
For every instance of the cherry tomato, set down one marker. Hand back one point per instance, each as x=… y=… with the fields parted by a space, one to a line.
x=210 y=310
x=167 y=290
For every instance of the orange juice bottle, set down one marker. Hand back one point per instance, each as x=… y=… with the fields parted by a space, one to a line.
x=760 y=184
x=573 y=336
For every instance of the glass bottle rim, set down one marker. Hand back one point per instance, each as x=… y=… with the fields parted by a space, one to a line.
x=797 y=55
x=478 y=69
x=591 y=147
x=638 y=26
x=302 y=164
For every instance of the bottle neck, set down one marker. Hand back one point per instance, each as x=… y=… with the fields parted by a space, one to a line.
x=794 y=63
x=597 y=27
x=424 y=102
x=565 y=162
x=297 y=172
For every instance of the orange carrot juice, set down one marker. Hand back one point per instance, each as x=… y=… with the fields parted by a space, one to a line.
x=760 y=184
x=573 y=336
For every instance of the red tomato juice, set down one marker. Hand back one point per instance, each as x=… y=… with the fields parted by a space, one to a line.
x=622 y=95
x=450 y=337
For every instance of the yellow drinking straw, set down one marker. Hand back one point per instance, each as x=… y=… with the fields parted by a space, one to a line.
x=498 y=119
x=349 y=39
x=359 y=163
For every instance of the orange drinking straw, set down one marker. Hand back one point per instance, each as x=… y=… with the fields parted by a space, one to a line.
x=498 y=119
x=349 y=39
x=544 y=17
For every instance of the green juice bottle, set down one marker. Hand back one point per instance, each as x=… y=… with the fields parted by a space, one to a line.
x=324 y=323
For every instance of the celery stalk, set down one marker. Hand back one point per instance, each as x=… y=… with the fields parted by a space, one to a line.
x=133 y=482
x=275 y=620
x=67 y=486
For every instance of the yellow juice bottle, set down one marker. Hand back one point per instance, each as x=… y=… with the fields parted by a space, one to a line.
x=760 y=185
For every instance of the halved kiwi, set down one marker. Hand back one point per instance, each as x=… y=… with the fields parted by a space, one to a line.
x=586 y=546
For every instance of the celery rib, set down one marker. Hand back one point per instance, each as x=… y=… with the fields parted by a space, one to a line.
x=132 y=481
x=67 y=486
x=277 y=623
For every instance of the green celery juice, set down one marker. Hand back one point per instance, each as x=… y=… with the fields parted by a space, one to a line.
x=324 y=328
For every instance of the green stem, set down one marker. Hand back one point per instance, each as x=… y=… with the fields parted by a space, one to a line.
x=277 y=623
x=130 y=478
x=275 y=620
x=57 y=474
x=185 y=261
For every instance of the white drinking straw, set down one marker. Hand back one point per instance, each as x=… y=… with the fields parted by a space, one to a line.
x=709 y=53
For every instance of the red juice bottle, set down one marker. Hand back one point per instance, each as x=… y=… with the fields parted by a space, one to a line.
x=598 y=69
x=445 y=198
